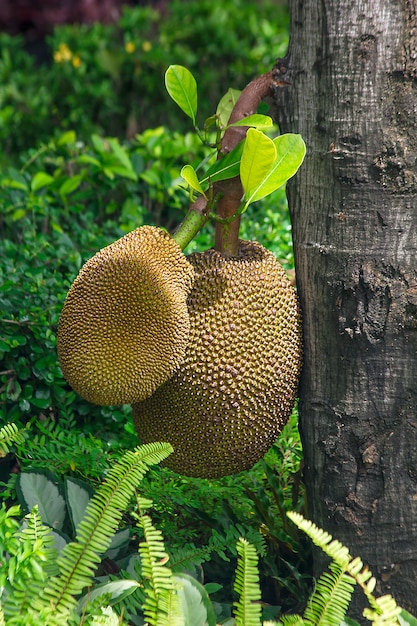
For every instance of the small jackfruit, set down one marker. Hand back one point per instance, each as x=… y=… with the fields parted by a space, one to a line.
x=226 y=403
x=124 y=326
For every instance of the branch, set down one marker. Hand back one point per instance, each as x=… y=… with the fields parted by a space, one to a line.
x=227 y=235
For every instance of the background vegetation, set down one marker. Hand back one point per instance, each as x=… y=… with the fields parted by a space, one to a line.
x=92 y=148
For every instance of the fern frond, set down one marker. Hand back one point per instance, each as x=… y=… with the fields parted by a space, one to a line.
x=162 y=605
x=30 y=555
x=188 y=556
x=331 y=598
x=9 y=435
x=287 y=620
x=332 y=547
x=80 y=558
x=385 y=613
x=248 y=609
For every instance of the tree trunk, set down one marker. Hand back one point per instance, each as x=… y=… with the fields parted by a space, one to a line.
x=353 y=97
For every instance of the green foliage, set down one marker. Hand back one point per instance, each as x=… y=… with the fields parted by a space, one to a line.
x=161 y=605
x=248 y=609
x=45 y=583
x=264 y=165
x=56 y=580
x=108 y=79
x=9 y=435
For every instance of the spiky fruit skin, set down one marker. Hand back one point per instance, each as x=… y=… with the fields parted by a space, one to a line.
x=234 y=391
x=124 y=326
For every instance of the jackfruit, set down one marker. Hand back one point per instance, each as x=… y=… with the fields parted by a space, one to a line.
x=230 y=397
x=124 y=326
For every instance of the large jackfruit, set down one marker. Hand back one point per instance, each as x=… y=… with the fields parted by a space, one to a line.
x=125 y=323
x=226 y=403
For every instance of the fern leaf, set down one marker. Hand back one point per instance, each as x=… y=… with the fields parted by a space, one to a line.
x=80 y=558
x=329 y=603
x=9 y=435
x=31 y=556
x=248 y=609
x=287 y=620
x=161 y=606
x=333 y=548
x=386 y=612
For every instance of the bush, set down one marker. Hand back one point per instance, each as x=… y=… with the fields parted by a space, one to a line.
x=108 y=79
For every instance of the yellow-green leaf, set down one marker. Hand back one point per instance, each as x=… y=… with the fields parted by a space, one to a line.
x=290 y=152
x=182 y=88
x=226 y=105
x=189 y=175
x=261 y=122
x=67 y=138
x=259 y=153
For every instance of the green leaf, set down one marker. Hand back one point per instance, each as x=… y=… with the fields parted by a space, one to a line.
x=67 y=138
x=226 y=167
x=406 y=619
x=78 y=494
x=119 y=170
x=189 y=175
x=226 y=105
x=116 y=591
x=290 y=150
x=13 y=184
x=258 y=156
x=88 y=159
x=182 y=88
x=98 y=143
x=120 y=153
x=39 y=487
x=70 y=185
x=261 y=122
x=119 y=542
x=196 y=604
x=18 y=214
x=41 y=179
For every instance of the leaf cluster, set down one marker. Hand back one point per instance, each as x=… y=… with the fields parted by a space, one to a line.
x=262 y=164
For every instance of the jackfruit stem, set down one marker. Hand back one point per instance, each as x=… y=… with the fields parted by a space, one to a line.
x=227 y=234
x=229 y=191
x=194 y=220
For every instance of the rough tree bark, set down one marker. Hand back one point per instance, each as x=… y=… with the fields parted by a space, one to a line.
x=353 y=97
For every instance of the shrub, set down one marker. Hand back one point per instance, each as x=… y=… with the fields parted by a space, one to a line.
x=108 y=78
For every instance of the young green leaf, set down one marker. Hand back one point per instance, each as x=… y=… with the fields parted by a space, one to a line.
x=226 y=167
x=226 y=104
x=182 y=88
x=258 y=156
x=189 y=175
x=261 y=122
x=290 y=152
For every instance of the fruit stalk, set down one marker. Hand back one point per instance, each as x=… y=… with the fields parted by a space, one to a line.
x=231 y=191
